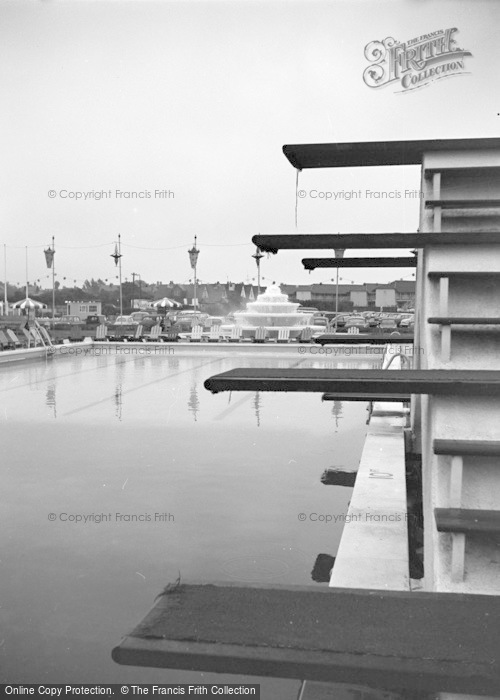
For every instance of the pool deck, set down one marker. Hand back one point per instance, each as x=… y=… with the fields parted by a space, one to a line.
x=373 y=551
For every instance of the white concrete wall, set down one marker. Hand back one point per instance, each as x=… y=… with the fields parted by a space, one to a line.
x=466 y=417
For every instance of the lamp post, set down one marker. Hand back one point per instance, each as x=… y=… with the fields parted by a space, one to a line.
x=193 y=258
x=339 y=253
x=117 y=256
x=49 y=259
x=257 y=257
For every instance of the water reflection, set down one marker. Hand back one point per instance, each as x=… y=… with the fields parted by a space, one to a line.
x=322 y=569
x=235 y=506
x=256 y=406
x=74 y=378
x=173 y=363
x=118 y=401
x=118 y=395
x=140 y=365
x=193 y=401
x=50 y=398
x=337 y=411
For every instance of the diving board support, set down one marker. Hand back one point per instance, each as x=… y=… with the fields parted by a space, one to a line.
x=436 y=193
x=444 y=290
x=455 y=501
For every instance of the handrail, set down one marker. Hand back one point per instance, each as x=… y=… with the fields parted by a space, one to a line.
x=398 y=354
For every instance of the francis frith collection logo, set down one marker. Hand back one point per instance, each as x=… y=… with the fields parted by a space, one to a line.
x=415 y=63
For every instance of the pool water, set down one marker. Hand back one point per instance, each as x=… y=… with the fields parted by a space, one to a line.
x=121 y=473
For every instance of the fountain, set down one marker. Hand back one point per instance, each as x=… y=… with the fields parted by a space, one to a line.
x=273 y=311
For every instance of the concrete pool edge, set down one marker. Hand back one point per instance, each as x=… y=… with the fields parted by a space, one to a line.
x=301 y=351
x=373 y=551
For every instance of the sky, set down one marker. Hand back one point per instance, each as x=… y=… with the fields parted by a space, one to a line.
x=196 y=100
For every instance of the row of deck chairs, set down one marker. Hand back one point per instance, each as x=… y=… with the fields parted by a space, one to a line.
x=235 y=335
x=198 y=334
x=155 y=335
x=39 y=336
x=31 y=337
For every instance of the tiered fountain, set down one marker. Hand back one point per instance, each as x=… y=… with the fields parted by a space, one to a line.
x=273 y=311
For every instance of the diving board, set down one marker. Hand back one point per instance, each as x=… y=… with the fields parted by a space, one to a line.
x=463 y=203
x=362 y=339
x=366 y=396
x=369 y=153
x=313 y=263
x=391 y=640
x=411 y=381
x=272 y=243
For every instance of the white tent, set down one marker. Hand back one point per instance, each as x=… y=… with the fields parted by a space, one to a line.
x=28 y=304
x=166 y=303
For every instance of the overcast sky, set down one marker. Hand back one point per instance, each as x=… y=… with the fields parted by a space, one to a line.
x=198 y=98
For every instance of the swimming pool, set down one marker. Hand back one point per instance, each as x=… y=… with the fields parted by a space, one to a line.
x=121 y=471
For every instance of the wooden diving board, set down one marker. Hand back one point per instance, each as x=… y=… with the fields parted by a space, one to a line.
x=361 y=339
x=479 y=448
x=411 y=381
x=467 y=521
x=367 y=153
x=365 y=396
x=271 y=243
x=313 y=263
x=390 y=640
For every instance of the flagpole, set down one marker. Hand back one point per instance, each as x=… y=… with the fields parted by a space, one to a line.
x=6 y=303
x=120 y=272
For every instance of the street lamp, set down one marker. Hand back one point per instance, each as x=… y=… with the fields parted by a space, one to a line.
x=117 y=256
x=193 y=258
x=257 y=257
x=49 y=259
x=339 y=253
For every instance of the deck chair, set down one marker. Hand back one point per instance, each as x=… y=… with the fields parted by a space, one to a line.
x=119 y=333
x=171 y=335
x=101 y=333
x=261 y=335
x=305 y=335
x=196 y=334
x=353 y=330
x=13 y=338
x=45 y=335
x=283 y=335
x=37 y=338
x=136 y=336
x=5 y=343
x=155 y=334
x=214 y=334
x=235 y=335
x=28 y=337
